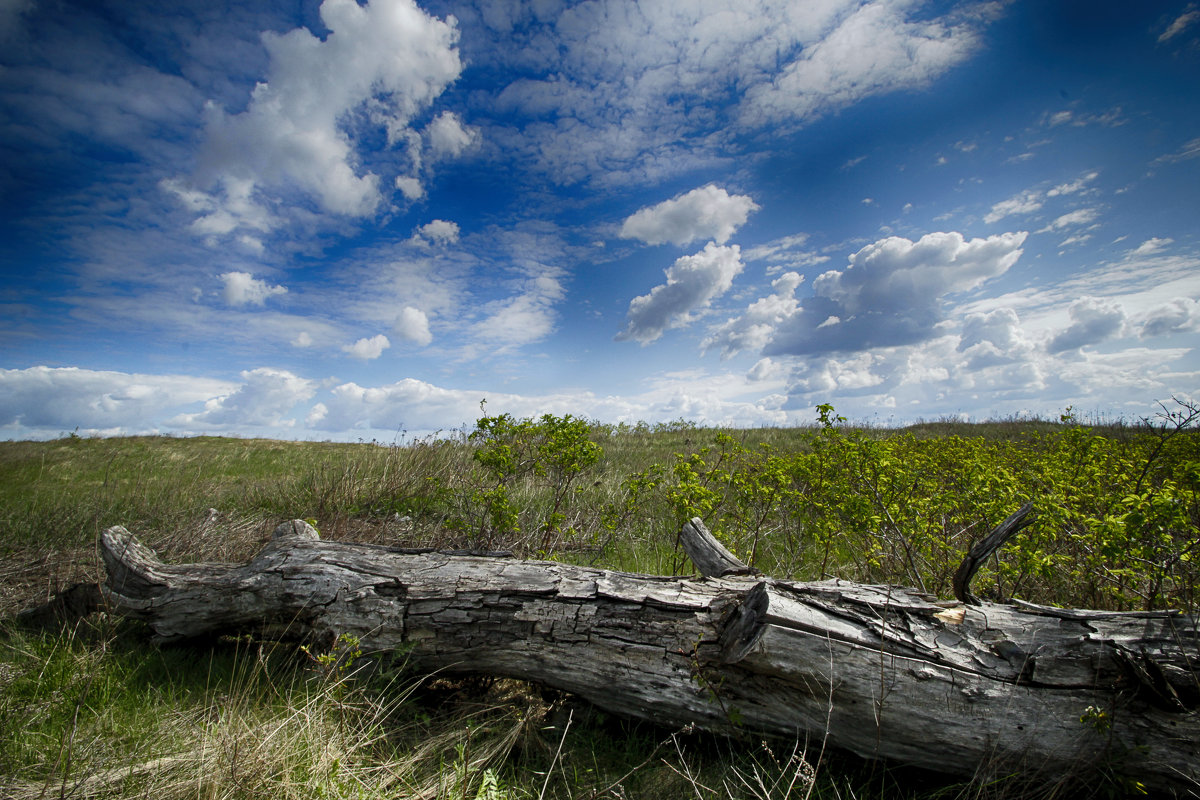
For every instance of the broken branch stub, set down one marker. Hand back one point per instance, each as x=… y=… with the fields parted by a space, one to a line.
x=989 y=544
x=711 y=558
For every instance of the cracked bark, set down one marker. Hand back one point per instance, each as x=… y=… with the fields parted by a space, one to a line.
x=879 y=671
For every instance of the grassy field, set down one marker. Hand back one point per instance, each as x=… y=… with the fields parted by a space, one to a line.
x=96 y=711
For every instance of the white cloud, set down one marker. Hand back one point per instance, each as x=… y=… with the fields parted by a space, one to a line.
x=526 y=317
x=692 y=74
x=785 y=252
x=873 y=50
x=1024 y=203
x=828 y=375
x=995 y=327
x=439 y=231
x=303 y=339
x=1189 y=150
x=263 y=398
x=1081 y=216
x=753 y=329
x=891 y=293
x=411 y=188
x=766 y=369
x=1032 y=200
x=412 y=325
x=415 y=405
x=993 y=338
x=242 y=288
x=448 y=137
x=1178 y=316
x=1080 y=184
x=1151 y=246
x=1112 y=118
x=384 y=62
x=705 y=213
x=1181 y=23
x=692 y=283
x=217 y=216
x=411 y=404
x=46 y=401
x=368 y=349
x=1093 y=320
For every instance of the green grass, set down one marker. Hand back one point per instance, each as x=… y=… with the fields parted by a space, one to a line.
x=100 y=714
x=96 y=710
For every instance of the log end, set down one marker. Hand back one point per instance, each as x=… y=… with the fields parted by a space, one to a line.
x=132 y=567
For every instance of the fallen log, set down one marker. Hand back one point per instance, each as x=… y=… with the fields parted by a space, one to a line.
x=881 y=671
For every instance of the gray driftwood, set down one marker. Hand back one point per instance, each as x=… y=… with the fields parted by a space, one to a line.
x=879 y=671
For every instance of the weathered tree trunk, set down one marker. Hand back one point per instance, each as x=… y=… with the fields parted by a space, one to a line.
x=879 y=671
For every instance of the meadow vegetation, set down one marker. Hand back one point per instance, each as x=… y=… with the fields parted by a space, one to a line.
x=94 y=710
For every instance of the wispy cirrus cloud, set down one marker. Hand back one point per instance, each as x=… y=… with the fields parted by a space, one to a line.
x=710 y=71
x=1031 y=200
x=1182 y=23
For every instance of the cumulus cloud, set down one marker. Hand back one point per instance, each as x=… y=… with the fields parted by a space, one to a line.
x=705 y=213
x=448 y=137
x=1093 y=320
x=263 y=398
x=826 y=375
x=410 y=187
x=753 y=329
x=413 y=326
x=408 y=403
x=439 y=231
x=998 y=328
x=1181 y=315
x=891 y=293
x=381 y=64
x=368 y=349
x=415 y=405
x=242 y=288
x=50 y=401
x=692 y=283
x=993 y=338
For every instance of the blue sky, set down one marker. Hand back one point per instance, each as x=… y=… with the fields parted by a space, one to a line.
x=344 y=220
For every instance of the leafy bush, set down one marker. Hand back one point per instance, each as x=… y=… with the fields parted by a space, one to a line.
x=1118 y=515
